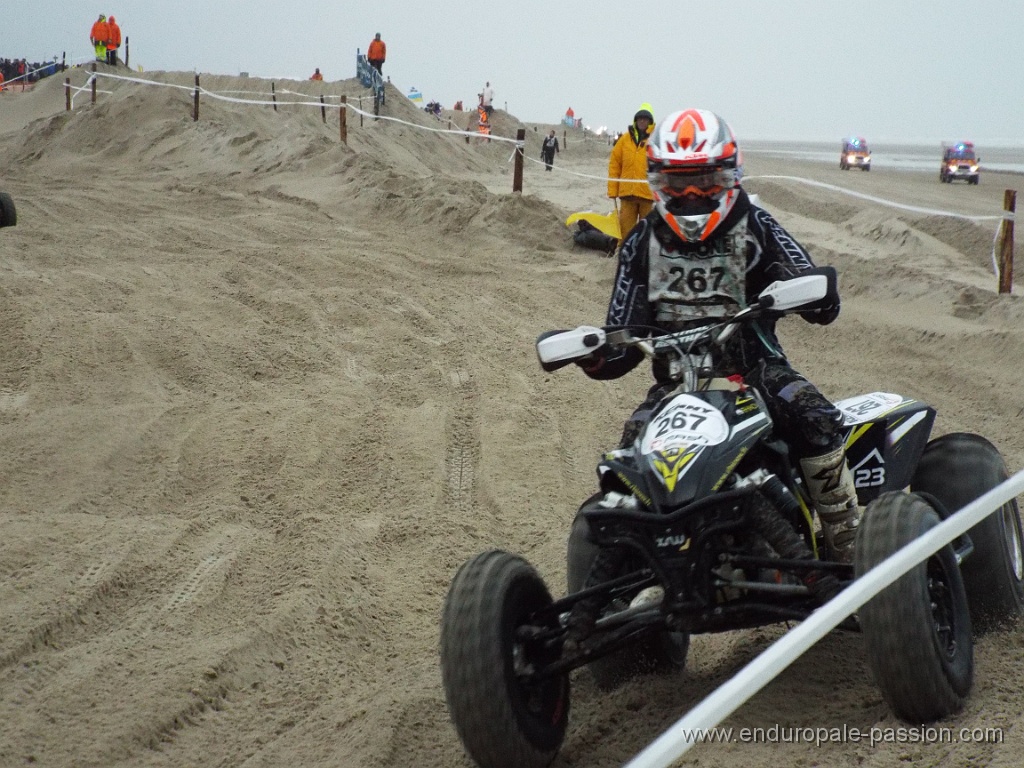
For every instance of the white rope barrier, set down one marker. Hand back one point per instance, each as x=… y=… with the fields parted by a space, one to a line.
x=264 y=103
x=86 y=87
x=890 y=203
x=727 y=698
x=1005 y=216
x=519 y=145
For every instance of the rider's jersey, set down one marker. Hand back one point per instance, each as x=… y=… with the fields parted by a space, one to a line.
x=667 y=284
x=702 y=283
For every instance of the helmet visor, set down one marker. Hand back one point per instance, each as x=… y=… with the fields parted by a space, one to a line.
x=701 y=182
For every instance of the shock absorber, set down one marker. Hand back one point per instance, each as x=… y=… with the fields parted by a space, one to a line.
x=771 y=520
x=778 y=494
x=583 y=616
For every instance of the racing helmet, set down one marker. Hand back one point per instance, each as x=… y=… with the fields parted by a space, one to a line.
x=694 y=167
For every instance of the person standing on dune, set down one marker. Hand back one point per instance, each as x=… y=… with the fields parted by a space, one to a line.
x=549 y=150
x=113 y=41
x=98 y=37
x=487 y=98
x=377 y=53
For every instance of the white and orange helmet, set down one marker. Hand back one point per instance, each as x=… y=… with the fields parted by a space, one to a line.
x=694 y=168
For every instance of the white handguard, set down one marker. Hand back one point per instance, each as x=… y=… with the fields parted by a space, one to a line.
x=566 y=346
x=794 y=293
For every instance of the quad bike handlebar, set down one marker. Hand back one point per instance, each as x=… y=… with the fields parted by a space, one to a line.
x=811 y=290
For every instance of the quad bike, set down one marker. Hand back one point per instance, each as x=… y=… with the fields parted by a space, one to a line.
x=704 y=524
x=8 y=215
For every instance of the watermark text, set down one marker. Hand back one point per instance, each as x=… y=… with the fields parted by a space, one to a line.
x=845 y=734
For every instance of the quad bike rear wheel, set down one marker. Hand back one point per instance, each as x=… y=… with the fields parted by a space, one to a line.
x=918 y=629
x=505 y=718
x=956 y=469
x=8 y=214
x=660 y=652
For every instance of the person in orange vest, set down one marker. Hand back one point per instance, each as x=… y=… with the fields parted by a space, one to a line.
x=376 y=53
x=316 y=75
x=98 y=36
x=113 y=41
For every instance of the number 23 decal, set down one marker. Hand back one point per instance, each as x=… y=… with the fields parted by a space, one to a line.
x=868 y=478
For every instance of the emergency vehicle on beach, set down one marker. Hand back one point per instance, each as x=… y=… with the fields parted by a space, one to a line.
x=959 y=162
x=855 y=154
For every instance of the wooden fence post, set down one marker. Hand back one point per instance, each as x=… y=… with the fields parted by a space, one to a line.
x=273 y=95
x=195 y=101
x=126 y=51
x=517 y=175
x=1006 y=243
x=565 y=138
x=323 y=109
x=343 y=119
x=67 y=94
x=94 y=82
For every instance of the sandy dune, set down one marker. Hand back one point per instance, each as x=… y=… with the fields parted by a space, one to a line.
x=261 y=393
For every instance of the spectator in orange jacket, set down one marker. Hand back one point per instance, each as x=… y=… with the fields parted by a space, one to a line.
x=98 y=36
x=316 y=75
x=376 y=53
x=113 y=41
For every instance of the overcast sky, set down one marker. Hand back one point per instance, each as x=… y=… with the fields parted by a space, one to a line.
x=915 y=71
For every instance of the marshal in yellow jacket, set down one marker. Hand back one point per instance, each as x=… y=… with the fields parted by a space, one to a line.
x=629 y=159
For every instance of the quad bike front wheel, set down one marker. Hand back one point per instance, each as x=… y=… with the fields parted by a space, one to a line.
x=957 y=469
x=660 y=652
x=505 y=717
x=918 y=629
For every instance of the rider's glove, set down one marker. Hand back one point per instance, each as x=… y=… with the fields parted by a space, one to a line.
x=822 y=315
x=591 y=363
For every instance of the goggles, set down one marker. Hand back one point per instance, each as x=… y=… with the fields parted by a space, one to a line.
x=702 y=182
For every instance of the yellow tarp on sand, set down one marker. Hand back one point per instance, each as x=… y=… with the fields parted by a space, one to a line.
x=606 y=222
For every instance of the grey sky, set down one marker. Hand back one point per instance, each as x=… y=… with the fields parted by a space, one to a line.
x=915 y=71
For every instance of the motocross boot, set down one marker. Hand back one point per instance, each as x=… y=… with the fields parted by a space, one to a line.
x=830 y=485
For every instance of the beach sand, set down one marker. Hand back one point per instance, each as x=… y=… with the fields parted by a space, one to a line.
x=261 y=393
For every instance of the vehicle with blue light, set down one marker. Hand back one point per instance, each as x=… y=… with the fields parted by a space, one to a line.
x=959 y=162
x=855 y=154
